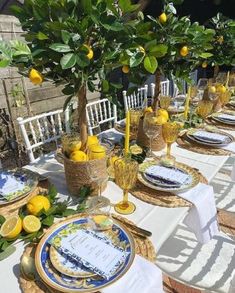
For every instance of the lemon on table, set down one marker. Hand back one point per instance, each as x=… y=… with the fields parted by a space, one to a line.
x=212 y=89
x=31 y=224
x=11 y=228
x=148 y=110
x=92 y=139
x=96 y=152
x=160 y=120
x=221 y=89
x=73 y=147
x=38 y=203
x=163 y=113
x=78 y=156
x=135 y=149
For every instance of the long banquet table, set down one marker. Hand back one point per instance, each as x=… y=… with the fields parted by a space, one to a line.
x=160 y=221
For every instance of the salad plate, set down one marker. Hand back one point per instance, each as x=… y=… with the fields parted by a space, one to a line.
x=16 y=184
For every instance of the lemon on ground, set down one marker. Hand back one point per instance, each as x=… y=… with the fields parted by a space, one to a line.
x=148 y=110
x=96 y=152
x=160 y=120
x=11 y=228
x=92 y=139
x=135 y=149
x=38 y=203
x=78 y=156
x=125 y=69
x=184 y=51
x=163 y=18
x=163 y=113
x=204 y=64
x=90 y=54
x=35 y=77
x=31 y=224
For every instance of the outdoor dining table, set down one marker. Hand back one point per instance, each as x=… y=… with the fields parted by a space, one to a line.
x=161 y=221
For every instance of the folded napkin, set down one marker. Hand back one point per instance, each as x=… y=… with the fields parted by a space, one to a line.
x=227 y=117
x=202 y=217
x=230 y=147
x=168 y=174
x=143 y=276
x=214 y=137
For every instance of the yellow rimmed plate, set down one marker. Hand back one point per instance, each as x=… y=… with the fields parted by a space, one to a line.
x=193 y=174
x=118 y=235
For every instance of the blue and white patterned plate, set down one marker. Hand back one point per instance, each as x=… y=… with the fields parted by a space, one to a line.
x=59 y=281
x=16 y=184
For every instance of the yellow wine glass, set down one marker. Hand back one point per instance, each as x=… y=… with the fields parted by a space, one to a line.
x=170 y=131
x=204 y=108
x=165 y=101
x=135 y=115
x=126 y=171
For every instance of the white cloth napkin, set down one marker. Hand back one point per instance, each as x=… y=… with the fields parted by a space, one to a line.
x=227 y=117
x=230 y=147
x=202 y=217
x=142 y=277
x=210 y=135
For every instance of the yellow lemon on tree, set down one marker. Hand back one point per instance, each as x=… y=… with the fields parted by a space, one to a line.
x=11 y=228
x=163 y=18
x=90 y=53
x=78 y=156
x=184 y=51
x=220 y=39
x=163 y=113
x=204 y=64
x=38 y=203
x=35 y=77
x=31 y=224
x=92 y=139
x=125 y=68
x=96 y=152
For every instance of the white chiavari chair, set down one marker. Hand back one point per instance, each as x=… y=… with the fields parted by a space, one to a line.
x=102 y=111
x=40 y=129
x=165 y=88
x=135 y=100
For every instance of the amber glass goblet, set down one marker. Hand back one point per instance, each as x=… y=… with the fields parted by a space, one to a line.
x=135 y=115
x=165 y=101
x=126 y=171
x=204 y=108
x=170 y=131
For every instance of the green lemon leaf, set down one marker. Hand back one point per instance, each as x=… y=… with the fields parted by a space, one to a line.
x=150 y=64
x=68 y=61
x=48 y=221
x=158 y=50
x=65 y=36
x=41 y=36
x=206 y=55
x=105 y=86
x=61 y=48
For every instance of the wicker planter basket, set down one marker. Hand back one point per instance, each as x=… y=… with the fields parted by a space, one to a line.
x=142 y=139
x=77 y=175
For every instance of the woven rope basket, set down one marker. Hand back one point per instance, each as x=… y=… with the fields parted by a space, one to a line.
x=77 y=175
x=142 y=139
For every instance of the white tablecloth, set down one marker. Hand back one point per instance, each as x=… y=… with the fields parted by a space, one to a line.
x=161 y=221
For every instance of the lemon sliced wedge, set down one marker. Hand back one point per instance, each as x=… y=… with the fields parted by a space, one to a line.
x=31 y=224
x=11 y=228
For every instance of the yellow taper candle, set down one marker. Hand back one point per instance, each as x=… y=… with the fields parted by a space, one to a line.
x=227 y=79
x=127 y=133
x=186 y=109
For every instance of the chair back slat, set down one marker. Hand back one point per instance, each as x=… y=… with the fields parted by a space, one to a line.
x=135 y=100
x=102 y=111
x=43 y=128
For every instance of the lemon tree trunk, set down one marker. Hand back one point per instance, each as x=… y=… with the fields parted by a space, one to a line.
x=82 y=121
x=157 y=89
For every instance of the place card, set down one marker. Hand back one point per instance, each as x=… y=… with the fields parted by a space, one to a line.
x=91 y=249
x=10 y=187
x=215 y=137
x=170 y=174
